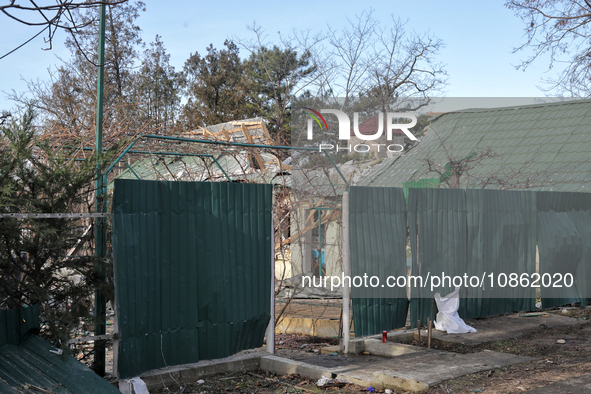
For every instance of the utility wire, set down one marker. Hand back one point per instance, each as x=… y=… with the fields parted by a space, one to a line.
x=24 y=43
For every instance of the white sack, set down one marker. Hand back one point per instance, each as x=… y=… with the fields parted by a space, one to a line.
x=133 y=386
x=447 y=317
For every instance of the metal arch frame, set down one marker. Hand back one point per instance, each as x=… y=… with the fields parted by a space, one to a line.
x=101 y=186
x=223 y=143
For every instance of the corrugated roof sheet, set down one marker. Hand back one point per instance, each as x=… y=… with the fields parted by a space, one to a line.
x=28 y=366
x=200 y=169
x=233 y=163
x=546 y=144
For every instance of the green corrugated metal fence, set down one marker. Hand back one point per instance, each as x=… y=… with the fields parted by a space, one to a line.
x=16 y=323
x=474 y=232
x=501 y=238
x=192 y=270
x=437 y=230
x=378 y=246
x=564 y=243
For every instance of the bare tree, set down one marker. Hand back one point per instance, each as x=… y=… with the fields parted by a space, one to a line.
x=49 y=17
x=560 y=29
x=384 y=61
x=404 y=66
x=352 y=47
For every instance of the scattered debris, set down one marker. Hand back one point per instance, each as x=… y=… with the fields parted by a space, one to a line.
x=326 y=382
x=57 y=351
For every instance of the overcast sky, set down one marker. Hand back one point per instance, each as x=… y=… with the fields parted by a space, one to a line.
x=479 y=37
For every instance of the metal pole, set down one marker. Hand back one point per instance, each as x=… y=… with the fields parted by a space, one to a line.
x=99 y=299
x=271 y=326
x=319 y=212
x=346 y=272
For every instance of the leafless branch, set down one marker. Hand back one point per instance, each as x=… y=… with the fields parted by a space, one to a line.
x=560 y=29
x=51 y=17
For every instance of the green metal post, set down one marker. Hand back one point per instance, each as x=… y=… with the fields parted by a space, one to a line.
x=132 y=171
x=319 y=242
x=99 y=205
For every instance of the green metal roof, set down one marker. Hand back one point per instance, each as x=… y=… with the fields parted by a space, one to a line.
x=545 y=146
x=28 y=366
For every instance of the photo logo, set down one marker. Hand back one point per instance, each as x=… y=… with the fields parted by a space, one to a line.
x=345 y=127
x=315 y=115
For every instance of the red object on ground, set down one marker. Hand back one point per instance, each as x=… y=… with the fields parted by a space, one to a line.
x=384 y=336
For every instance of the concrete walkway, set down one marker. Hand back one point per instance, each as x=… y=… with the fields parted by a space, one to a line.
x=408 y=368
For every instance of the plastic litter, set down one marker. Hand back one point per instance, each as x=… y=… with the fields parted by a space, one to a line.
x=133 y=386
x=328 y=382
x=448 y=319
x=323 y=381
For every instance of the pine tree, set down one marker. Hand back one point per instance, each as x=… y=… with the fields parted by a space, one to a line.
x=36 y=260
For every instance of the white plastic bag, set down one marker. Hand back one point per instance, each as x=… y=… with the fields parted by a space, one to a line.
x=447 y=317
x=133 y=386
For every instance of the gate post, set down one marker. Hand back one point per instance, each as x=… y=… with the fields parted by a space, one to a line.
x=271 y=327
x=346 y=271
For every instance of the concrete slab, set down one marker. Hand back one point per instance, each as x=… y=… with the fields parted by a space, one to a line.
x=434 y=368
x=285 y=366
x=415 y=371
x=160 y=378
x=320 y=327
x=375 y=347
x=388 y=349
x=317 y=317
x=579 y=385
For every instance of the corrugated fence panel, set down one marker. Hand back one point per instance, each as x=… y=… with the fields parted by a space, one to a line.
x=437 y=225
x=501 y=235
x=378 y=247
x=564 y=244
x=192 y=270
x=16 y=323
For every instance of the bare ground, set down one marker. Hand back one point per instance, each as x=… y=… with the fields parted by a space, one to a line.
x=553 y=362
